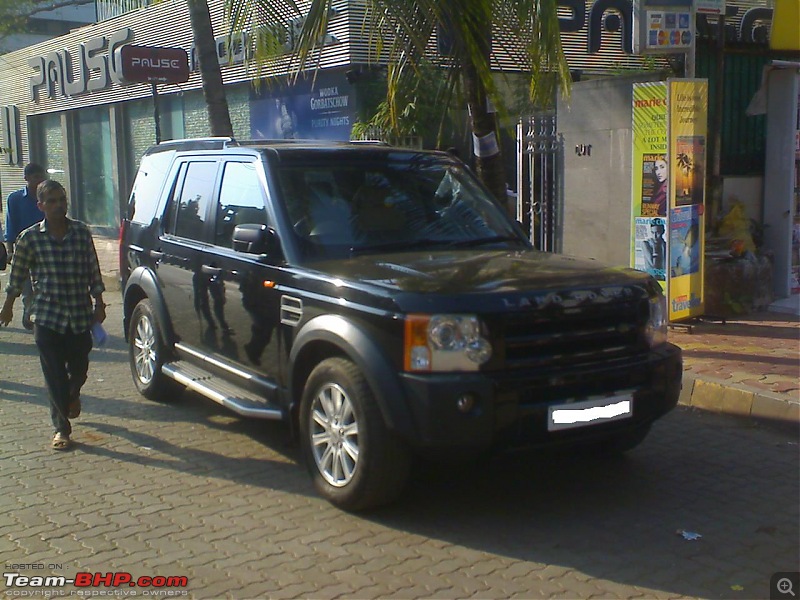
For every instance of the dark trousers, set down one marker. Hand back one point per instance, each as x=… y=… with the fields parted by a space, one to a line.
x=65 y=364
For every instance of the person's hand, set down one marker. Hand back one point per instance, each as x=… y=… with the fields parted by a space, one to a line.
x=99 y=312
x=6 y=314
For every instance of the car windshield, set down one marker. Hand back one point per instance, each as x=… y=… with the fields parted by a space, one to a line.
x=343 y=206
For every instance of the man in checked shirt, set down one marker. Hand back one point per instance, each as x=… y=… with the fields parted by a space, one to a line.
x=58 y=255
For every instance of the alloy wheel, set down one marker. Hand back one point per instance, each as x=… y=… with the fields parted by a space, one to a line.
x=145 y=357
x=334 y=435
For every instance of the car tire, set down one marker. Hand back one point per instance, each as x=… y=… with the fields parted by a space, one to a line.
x=355 y=462
x=146 y=354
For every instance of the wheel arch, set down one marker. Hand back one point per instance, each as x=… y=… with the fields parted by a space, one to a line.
x=142 y=284
x=330 y=336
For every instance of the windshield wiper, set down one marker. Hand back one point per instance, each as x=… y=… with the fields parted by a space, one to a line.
x=495 y=239
x=404 y=245
x=425 y=242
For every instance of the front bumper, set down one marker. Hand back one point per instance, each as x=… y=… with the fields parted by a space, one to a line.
x=511 y=409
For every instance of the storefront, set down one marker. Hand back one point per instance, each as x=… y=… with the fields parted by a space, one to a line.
x=64 y=103
x=65 y=106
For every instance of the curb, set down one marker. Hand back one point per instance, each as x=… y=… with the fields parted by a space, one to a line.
x=719 y=396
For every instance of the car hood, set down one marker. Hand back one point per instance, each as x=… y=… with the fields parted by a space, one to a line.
x=513 y=278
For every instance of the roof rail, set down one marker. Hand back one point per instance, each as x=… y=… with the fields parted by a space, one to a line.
x=375 y=142
x=276 y=141
x=206 y=143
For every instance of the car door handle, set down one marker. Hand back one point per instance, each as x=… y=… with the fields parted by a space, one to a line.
x=209 y=270
x=156 y=254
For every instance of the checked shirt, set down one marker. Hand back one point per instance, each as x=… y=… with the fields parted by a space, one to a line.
x=65 y=275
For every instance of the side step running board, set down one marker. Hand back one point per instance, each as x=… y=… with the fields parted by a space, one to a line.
x=228 y=395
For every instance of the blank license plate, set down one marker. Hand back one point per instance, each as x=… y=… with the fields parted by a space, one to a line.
x=590 y=412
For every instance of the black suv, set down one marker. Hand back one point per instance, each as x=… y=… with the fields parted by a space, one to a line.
x=382 y=303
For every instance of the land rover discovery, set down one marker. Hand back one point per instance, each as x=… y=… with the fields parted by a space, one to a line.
x=383 y=304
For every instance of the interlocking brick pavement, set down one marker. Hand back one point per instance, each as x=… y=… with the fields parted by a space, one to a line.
x=188 y=489
x=750 y=363
x=762 y=347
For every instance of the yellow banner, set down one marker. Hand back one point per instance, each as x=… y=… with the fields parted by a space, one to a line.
x=649 y=199
x=688 y=129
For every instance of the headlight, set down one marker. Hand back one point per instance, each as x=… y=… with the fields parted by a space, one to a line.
x=656 y=330
x=444 y=343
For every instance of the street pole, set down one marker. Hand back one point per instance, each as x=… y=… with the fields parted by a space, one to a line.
x=716 y=123
x=156 y=114
x=692 y=51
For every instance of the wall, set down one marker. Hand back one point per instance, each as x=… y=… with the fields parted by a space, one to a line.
x=783 y=98
x=596 y=208
x=748 y=191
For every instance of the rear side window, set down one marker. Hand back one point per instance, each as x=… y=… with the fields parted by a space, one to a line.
x=147 y=187
x=241 y=200
x=192 y=199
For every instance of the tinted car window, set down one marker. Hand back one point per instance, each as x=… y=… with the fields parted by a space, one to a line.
x=240 y=200
x=194 y=200
x=147 y=187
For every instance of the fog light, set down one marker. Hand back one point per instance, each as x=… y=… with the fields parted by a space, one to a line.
x=465 y=403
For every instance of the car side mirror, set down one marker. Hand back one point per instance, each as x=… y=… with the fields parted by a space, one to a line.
x=255 y=238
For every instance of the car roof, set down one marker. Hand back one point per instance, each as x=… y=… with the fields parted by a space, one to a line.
x=223 y=143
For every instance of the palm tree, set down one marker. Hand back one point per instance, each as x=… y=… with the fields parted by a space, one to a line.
x=400 y=34
x=213 y=90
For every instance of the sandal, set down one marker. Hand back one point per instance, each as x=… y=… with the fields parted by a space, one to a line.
x=61 y=441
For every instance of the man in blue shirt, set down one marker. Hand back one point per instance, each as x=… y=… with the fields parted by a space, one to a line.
x=22 y=212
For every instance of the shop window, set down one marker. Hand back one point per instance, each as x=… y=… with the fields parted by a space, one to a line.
x=95 y=199
x=47 y=144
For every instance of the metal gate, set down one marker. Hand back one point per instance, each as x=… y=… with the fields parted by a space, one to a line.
x=539 y=188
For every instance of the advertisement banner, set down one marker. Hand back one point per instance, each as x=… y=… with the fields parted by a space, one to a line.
x=668 y=30
x=688 y=121
x=321 y=110
x=650 y=167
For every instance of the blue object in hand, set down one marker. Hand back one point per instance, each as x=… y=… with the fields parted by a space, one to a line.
x=99 y=335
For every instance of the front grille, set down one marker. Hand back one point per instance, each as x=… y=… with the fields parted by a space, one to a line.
x=578 y=385
x=564 y=339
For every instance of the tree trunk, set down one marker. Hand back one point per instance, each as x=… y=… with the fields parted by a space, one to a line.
x=213 y=90
x=488 y=161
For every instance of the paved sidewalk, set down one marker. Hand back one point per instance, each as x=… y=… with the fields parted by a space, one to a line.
x=187 y=489
x=748 y=366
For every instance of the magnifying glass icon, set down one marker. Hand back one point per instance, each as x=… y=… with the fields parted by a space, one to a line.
x=784 y=586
